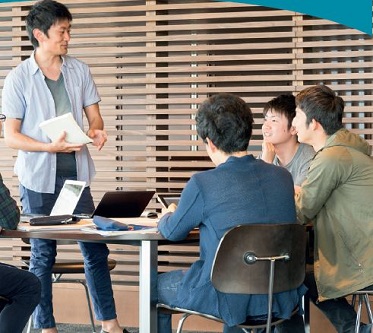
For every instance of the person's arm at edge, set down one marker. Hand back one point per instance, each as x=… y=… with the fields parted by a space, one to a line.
x=96 y=125
x=16 y=140
x=176 y=225
x=9 y=211
x=311 y=196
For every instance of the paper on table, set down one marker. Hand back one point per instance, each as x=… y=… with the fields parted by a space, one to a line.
x=55 y=126
x=143 y=221
x=87 y=225
x=118 y=233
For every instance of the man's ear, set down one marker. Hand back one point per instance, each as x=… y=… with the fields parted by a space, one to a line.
x=293 y=131
x=38 y=34
x=315 y=125
x=211 y=145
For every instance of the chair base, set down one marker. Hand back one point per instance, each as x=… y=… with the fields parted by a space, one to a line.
x=248 y=326
x=72 y=267
x=56 y=279
x=360 y=298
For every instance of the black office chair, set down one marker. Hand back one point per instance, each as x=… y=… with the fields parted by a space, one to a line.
x=360 y=298
x=256 y=259
x=62 y=267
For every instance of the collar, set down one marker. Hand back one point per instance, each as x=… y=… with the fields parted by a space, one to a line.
x=35 y=67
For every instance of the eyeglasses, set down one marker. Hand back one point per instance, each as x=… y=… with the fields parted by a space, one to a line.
x=2 y=117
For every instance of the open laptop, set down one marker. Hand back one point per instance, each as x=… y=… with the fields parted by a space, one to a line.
x=123 y=203
x=68 y=198
x=63 y=208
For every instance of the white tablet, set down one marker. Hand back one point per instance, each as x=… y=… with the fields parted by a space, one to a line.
x=167 y=199
x=68 y=197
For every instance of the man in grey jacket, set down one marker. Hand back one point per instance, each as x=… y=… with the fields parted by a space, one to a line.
x=337 y=197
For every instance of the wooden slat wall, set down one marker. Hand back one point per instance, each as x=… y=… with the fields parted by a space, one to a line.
x=155 y=61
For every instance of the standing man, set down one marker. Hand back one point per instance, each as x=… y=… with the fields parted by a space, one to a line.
x=280 y=142
x=337 y=196
x=46 y=85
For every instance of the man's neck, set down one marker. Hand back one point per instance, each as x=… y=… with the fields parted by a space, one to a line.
x=320 y=143
x=285 y=152
x=221 y=157
x=50 y=65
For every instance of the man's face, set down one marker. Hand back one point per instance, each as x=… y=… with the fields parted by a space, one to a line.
x=275 y=128
x=302 y=129
x=58 y=38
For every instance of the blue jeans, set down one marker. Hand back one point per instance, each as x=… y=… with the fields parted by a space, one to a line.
x=168 y=285
x=43 y=254
x=339 y=312
x=23 y=290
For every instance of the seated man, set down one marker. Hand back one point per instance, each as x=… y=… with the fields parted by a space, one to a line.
x=21 y=288
x=280 y=142
x=337 y=196
x=240 y=190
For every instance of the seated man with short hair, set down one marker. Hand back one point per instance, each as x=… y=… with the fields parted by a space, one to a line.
x=21 y=288
x=337 y=197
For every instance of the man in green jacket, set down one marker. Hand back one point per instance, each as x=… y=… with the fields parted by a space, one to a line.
x=337 y=196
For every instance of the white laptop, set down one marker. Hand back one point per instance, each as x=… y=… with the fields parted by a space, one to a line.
x=68 y=198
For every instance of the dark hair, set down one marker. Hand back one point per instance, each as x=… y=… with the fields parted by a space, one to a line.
x=43 y=15
x=282 y=104
x=322 y=104
x=227 y=121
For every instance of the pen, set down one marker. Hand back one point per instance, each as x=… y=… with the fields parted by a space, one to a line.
x=66 y=221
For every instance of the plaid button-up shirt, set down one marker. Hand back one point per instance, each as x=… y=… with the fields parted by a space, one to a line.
x=9 y=211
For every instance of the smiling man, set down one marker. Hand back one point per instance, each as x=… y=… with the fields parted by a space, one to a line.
x=280 y=142
x=337 y=196
x=48 y=84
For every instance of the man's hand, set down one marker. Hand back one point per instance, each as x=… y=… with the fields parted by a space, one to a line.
x=99 y=137
x=170 y=209
x=297 y=189
x=62 y=146
x=268 y=152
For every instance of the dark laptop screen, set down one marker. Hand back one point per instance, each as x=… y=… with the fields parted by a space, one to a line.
x=123 y=203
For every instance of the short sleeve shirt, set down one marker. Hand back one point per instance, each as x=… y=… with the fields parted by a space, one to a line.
x=26 y=96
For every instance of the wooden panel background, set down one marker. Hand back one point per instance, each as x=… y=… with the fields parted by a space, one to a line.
x=155 y=61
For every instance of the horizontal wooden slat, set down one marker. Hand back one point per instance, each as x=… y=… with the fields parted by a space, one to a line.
x=154 y=62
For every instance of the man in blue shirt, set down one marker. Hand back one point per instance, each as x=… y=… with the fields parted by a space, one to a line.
x=240 y=190
x=46 y=85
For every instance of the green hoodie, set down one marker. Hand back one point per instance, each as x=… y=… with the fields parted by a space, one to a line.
x=338 y=197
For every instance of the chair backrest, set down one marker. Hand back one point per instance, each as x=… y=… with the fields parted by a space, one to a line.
x=243 y=259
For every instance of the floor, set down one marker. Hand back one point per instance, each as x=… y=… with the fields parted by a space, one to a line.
x=67 y=328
